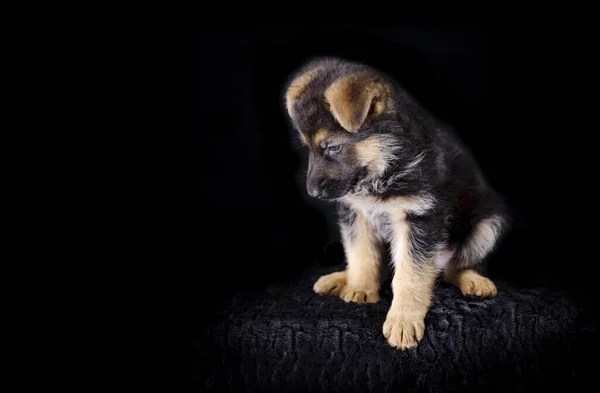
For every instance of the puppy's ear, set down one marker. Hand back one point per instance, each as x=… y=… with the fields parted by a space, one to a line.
x=355 y=100
x=298 y=84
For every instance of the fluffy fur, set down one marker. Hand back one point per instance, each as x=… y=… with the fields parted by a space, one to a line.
x=403 y=182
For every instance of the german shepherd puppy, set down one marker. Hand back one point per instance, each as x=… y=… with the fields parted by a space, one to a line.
x=403 y=182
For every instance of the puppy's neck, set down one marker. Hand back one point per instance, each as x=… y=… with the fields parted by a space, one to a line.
x=373 y=204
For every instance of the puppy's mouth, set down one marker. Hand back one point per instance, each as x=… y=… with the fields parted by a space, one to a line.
x=347 y=187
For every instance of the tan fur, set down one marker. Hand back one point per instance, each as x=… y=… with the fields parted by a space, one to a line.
x=412 y=284
x=363 y=252
x=351 y=98
x=412 y=287
x=319 y=136
x=297 y=87
x=303 y=139
x=369 y=154
x=330 y=284
x=470 y=282
x=361 y=280
x=375 y=153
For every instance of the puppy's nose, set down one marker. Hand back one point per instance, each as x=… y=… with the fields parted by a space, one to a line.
x=315 y=191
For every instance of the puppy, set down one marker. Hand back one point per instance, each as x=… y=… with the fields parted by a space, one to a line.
x=402 y=181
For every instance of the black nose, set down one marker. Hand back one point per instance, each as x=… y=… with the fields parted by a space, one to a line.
x=315 y=191
x=315 y=187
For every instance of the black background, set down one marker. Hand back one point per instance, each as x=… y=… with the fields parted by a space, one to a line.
x=521 y=99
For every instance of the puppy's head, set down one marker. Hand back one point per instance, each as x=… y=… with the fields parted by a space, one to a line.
x=338 y=109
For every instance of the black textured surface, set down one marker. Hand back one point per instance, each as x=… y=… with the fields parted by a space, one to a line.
x=294 y=340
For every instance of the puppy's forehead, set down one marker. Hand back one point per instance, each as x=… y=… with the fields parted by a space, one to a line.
x=311 y=114
x=305 y=93
x=306 y=101
x=316 y=124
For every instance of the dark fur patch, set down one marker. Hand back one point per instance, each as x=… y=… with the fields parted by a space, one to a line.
x=428 y=234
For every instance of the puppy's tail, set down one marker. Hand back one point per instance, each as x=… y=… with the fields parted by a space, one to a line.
x=482 y=239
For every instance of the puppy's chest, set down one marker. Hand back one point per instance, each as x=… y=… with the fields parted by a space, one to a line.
x=381 y=224
x=380 y=216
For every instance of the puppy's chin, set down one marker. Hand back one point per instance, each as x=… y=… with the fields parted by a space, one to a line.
x=333 y=197
x=349 y=188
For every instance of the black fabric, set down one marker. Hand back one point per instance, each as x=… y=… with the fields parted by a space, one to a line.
x=291 y=339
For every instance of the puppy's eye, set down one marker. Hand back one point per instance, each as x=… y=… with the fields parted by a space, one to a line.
x=334 y=149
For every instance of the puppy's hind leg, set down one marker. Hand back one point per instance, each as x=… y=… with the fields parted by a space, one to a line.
x=361 y=280
x=460 y=272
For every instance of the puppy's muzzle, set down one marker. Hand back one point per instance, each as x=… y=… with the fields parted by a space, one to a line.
x=315 y=188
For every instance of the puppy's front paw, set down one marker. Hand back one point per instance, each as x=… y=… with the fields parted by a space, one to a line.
x=330 y=284
x=359 y=295
x=476 y=286
x=404 y=329
x=335 y=284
